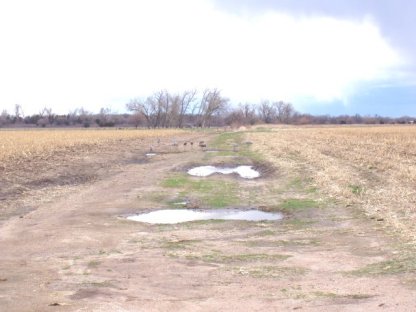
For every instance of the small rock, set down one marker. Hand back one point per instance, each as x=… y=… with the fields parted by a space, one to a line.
x=3 y=279
x=55 y=304
x=381 y=305
x=380 y=219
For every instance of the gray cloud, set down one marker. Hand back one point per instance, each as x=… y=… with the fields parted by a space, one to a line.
x=396 y=18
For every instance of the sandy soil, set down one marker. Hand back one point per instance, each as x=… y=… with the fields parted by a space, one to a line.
x=75 y=252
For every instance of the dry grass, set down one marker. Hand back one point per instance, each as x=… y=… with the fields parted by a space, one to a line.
x=37 y=165
x=17 y=146
x=374 y=167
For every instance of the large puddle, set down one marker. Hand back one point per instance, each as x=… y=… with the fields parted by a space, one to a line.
x=172 y=216
x=246 y=172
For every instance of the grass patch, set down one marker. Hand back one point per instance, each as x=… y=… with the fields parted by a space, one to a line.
x=233 y=143
x=218 y=257
x=263 y=129
x=265 y=233
x=225 y=140
x=297 y=224
x=331 y=295
x=94 y=263
x=175 y=181
x=210 y=192
x=180 y=244
x=356 y=189
x=302 y=184
x=298 y=204
x=103 y=284
x=296 y=183
x=283 y=243
x=272 y=271
x=394 y=266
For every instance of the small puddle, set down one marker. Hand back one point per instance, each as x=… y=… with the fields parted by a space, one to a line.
x=246 y=172
x=172 y=216
x=150 y=154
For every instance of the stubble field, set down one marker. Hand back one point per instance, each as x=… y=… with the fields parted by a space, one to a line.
x=35 y=161
x=373 y=168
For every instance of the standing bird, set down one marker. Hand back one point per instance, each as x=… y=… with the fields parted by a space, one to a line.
x=175 y=144
x=202 y=145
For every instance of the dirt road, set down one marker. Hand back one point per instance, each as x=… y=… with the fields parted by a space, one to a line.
x=77 y=252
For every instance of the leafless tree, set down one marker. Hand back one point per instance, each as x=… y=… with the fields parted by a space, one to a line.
x=185 y=102
x=46 y=116
x=267 y=112
x=4 y=118
x=80 y=116
x=150 y=109
x=140 y=108
x=211 y=103
x=284 y=111
x=18 y=112
x=249 y=113
x=105 y=118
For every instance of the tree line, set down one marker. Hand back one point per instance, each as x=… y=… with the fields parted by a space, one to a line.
x=187 y=109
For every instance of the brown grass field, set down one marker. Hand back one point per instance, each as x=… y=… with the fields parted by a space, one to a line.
x=372 y=167
x=33 y=161
x=25 y=145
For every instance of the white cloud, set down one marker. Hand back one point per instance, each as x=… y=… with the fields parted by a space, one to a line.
x=95 y=53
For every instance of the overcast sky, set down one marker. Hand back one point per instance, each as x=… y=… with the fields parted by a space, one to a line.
x=324 y=56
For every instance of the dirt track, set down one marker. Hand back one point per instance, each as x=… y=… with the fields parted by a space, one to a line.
x=74 y=253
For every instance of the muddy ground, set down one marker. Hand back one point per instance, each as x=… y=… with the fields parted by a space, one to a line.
x=67 y=246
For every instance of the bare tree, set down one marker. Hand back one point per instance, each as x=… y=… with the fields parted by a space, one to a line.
x=80 y=116
x=46 y=116
x=139 y=107
x=105 y=118
x=284 y=111
x=249 y=113
x=211 y=103
x=147 y=108
x=4 y=118
x=185 y=102
x=267 y=112
x=163 y=100
x=18 y=113
x=156 y=109
x=136 y=120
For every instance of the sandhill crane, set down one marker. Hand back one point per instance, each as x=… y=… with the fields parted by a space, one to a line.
x=202 y=145
x=175 y=144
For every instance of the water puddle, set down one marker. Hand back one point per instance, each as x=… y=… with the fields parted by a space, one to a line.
x=172 y=216
x=150 y=154
x=246 y=172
